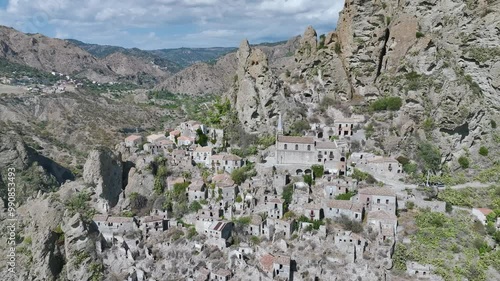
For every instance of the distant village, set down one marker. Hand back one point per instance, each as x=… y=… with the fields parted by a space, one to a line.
x=315 y=168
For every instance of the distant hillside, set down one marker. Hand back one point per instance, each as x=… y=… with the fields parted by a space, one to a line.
x=102 y=51
x=172 y=59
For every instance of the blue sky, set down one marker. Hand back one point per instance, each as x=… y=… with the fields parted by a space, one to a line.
x=156 y=24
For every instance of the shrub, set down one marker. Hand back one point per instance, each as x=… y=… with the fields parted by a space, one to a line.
x=410 y=205
x=287 y=194
x=464 y=162
x=195 y=206
x=318 y=170
x=387 y=103
x=308 y=179
x=338 y=48
x=419 y=34
x=345 y=196
x=299 y=127
x=493 y=124
x=239 y=199
x=483 y=151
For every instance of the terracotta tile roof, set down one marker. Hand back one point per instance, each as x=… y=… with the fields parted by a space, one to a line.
x=266 y=262
x=256 y=220
x=184 y=138
x=284 y=260
x=289 y=139
x=382 y=160
x=357 y=207
x=120 y=220
x=226 y=156
x=133 y=138
x=149 y=219
x=381 y=215
x=100 y=218
x=203 y=149
x=381 y=191
x=175 y=133
x=339 y=204
x=326 y=145
x=276 y=200
x=196 y=185
x=312 y=206
x=223 y=272
x=484 y=211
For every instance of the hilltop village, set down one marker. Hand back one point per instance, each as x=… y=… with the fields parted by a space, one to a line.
x=255 y=210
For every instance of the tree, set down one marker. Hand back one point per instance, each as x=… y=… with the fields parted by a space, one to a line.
x=299 y=127
x=308 y=179
x=238 y=175
x=318 y=170
x=202 y=138
x=430 y=156
x=195 y=206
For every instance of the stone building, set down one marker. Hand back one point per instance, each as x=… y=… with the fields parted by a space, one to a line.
x=377 y=198
x=202 y=155
x=378 y=165
x=226 y=162
x=133 y=141
x=336 y=208
x=197 y=190
x=351 y=244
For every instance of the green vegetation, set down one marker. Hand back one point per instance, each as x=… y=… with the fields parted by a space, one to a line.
x=176 y=200
x=493 y=124
x=350 y=225
x=308 y=179
x=191 y=233
x=78 y=203
x=255 y=240
x=369 y=130
x=315 y=224
x=483 y=151
x=18 y=72
x=321 y=44
x=239 y=199
x=345 y=196
x=419 y=34
x=318 y=171
x=464 y=162
x=137 y=201
x=489 y=175
x=287 y=195
x=298 y=128
x=472 y=197
x=242 y=174
x=482 y=54
x=202 y=138
x=195 y=206
x=440 y=239
x=363 y=176
x=338 y=48
x=430 y=156
x=242 y=220
x=387 y=103
x=96 y=270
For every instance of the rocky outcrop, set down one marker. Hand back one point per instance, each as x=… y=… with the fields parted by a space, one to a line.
x=103 y=170
x=79 y=248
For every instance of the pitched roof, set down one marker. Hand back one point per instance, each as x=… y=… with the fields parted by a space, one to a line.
x=381 y=191
x=218 y=225
x=100 y=218
x=285 y=260
x=276 y=200
x=226 y=156
x=326 y=145
x=484 y=211
x=380 y=159
x=120 y=219
x=381 y=215
x=133 y=138
x=312 y=206
x=149 y=219
x=289 y=139
x=202 y=149
x=175 y=133
x=266 y=262
x=223 y=272
x=256 y=220
x=339 y=204
x=196 y=185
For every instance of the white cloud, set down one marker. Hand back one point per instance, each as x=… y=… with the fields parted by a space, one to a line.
x=174 y=23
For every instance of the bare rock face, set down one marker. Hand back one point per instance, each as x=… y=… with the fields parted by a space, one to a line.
x=79 y=248
x=104 y=170
x=257 y=91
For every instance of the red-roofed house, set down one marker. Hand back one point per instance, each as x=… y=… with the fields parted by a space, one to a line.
x=133 y=141
x=481 y=213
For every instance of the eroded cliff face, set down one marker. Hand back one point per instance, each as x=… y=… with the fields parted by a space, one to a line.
x=441 y=57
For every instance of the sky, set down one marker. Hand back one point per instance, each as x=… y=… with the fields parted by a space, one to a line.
x=158 y=24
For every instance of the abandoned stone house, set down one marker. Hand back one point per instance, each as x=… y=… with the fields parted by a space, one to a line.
x=171 y=181
x=133 y=141
x=155 y=138
x=352 y=244
x=481 y=213
x=185 y=141
x=378 y=165
x=277 y=228
x=337 y=208
x=226 y=162
x=202 y=155
x=172 y=135
x=345 y=127
x=275 y=208
x=152 y=224
x=384 y=222
x=197 y=190
x=110 y=226
x=418 y=270
x=254 y=228
x=221 y=275
x=218 y=233
x=300 y=194
x=377 y=198
x=277 y=267
x=313 y=211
